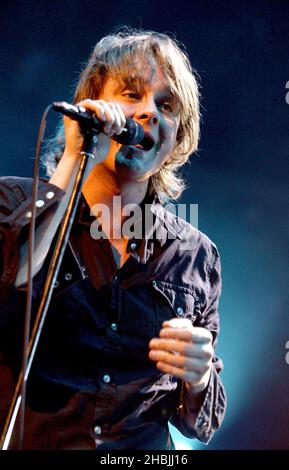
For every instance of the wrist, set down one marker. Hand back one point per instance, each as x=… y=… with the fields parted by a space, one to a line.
x=70 y=156
x=194 y=394
x=199 y=387
x=193 y=399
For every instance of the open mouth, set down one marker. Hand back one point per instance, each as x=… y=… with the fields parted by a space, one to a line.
x=146 y=144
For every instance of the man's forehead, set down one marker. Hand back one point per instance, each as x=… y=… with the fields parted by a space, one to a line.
x=140 y=76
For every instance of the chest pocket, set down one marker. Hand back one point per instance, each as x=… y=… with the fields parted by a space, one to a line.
x=173 y=300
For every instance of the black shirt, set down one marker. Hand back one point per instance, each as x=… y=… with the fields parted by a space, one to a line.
x=92 y=385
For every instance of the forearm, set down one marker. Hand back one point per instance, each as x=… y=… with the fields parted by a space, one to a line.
x=46 y=229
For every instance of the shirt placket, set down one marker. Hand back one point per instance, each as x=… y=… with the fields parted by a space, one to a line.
x=107 y=396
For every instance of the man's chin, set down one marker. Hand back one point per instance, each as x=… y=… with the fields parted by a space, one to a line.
x=135 y=159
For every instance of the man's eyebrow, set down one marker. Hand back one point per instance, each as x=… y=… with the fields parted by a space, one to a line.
x=167 y=93
x=120 y=86
x=135 y=83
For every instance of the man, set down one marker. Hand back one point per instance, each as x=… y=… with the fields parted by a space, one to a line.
x=130 y=334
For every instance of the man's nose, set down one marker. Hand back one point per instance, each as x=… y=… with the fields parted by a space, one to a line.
x=147 y=112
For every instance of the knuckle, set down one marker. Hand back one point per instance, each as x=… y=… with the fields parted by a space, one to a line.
x=187 y=349
x=164 y=355
x=98 y=105
x=206 y=367
x=88 y=101
x=111 y=115
x=111 y=105
x=207 y=354
x=187 y=363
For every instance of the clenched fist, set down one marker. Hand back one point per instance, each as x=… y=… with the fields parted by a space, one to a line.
x=184 y=351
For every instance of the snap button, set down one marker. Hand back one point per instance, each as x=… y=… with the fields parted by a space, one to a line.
x=56 y=284
x=106 y=378
x=133 y=246
x=49 y=195
x=68 y=276
x=97 y=430
x=180 y=312
x=113 y=327
x=202 y=423
x=28 y=214
x=39 y=203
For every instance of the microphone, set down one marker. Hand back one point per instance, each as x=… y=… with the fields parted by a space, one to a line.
x=132 y=134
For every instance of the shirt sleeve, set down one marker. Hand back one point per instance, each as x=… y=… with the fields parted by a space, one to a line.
x=15 y=215
x=211 y=414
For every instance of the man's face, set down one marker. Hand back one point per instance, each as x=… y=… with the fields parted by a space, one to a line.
x=148 y=100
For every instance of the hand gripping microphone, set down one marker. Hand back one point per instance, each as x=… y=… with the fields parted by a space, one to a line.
x=132 y=133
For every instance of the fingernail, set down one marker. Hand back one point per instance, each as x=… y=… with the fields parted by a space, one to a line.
x=164 y=332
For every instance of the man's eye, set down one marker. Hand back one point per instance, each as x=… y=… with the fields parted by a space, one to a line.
x=131 y=95
x=167 y=106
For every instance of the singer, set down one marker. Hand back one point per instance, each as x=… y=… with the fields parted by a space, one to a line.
x=129 y=340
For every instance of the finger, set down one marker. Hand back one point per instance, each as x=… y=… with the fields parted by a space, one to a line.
x=192 y=333
x=184 y=348
x=176 y=322
x=122 y=116
x=117 y=120
x=183 y=374
x=102 y=111
x=183 y=362
x=176 y=333
x=96 y=107
x=109 y=113
x=110 y=118
x=120 y=119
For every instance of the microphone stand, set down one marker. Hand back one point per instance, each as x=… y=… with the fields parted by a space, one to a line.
x=89 y=146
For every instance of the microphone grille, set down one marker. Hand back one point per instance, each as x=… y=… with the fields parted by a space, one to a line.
x=134 y=133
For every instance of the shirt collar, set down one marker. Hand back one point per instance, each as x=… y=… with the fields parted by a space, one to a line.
x=170 y=222
x=162 y=225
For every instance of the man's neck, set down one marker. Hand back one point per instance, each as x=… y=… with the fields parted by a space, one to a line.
x=102 y=185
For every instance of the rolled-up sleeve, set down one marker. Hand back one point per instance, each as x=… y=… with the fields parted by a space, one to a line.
x=15 y=215
x=211 y=414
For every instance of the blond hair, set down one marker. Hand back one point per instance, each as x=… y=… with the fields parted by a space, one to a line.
x=113 y=56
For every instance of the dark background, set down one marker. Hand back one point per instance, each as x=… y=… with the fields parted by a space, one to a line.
x=239 y=178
